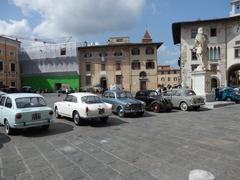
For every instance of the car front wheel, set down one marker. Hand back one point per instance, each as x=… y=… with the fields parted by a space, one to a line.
x=76 y=118
x=8 y=129
x=156 y=107
x=120 y=112
x=184 y=106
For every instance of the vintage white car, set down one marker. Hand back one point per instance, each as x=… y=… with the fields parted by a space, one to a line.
x=80 y=106
x=24 y=110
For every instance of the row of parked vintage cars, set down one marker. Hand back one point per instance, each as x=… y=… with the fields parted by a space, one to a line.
x=24 y=110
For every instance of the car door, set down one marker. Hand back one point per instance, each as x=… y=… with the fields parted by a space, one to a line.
x=177 y=95
x=2 y=101
x=72 y=105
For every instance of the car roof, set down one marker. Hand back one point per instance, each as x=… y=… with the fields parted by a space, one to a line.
x=22 y=95
x=81 y=94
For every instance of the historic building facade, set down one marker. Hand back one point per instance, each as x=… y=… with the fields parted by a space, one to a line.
x=9 y=63
x=120 y=62
x=223 y=48
x=168 y=76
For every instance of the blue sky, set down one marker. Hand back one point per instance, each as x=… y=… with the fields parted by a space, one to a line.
x=96 y=21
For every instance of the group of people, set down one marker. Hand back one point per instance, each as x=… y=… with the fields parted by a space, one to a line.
x=161 y=89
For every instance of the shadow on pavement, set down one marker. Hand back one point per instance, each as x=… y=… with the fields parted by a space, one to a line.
x=112 y=121
x=55 y=128
x=3 y=139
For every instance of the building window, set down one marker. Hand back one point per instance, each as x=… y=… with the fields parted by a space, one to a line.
x=1 y=51
x=213 y=32
x=1 y=66
x=194 y=66
x=169 y=72
x=214 y=68
x=103 y=67
x=88 y=55
x=118 y=53
x=13 y=67
x=237 y=53
x=162 y=72
x=118 y=66
x=175 y=72
x=214 y=53
x=136 y=65
x=135 y=51
x=118 y=79
x=169 y=79
x=63 y=51
x=11 y=53
x=150 y=65
x=103 y=54
x=194 y=56
x=175 y=79
x=1 y=84
x=194 y=32
x=88 y=80
x=162 y=79
x=149 y=50
x=88 y=67
x=13 y=83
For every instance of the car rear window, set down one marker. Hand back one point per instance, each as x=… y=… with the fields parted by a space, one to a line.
x=91 y=99
x=28 y=102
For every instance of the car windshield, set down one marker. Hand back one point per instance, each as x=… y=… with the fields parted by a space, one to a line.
x=124 y=94
x=28 y=102
x=153 y=93
x=91 y=99
x=190 y=93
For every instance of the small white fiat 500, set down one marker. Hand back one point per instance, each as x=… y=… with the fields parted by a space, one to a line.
x=80 y=106
x=24 y=110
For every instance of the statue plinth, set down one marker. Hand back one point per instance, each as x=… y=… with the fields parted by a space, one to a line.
x=201 y=84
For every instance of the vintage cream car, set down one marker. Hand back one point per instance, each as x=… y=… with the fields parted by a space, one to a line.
x=80 y=106
x=184 y=99
x=23 y=110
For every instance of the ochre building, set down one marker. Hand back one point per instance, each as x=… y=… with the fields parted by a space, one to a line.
x=120 y=62
x=9 y=63
x=168 y=76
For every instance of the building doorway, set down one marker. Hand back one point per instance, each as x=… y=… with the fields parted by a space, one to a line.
x=234 y=75
x=143 y=80
x=103 y=82
x=214 y=83
x=143 y=85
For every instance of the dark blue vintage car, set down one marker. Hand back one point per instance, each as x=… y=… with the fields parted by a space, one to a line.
x=228 y=94
x=123 y=103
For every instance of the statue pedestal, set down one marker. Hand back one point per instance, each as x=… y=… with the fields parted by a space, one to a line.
x=201 y=84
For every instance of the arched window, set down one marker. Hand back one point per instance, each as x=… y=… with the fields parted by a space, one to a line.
x=211 y=53
x=214 y=53
x=142 y=74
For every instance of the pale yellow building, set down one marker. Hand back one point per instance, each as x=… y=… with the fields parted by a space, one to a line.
x=9 y=63
x=120 y=62
x=169 y=76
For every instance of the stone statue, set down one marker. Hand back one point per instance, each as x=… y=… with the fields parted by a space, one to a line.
x=201 y=49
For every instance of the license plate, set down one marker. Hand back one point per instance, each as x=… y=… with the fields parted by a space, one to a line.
x=36 y=116
x=100 y=111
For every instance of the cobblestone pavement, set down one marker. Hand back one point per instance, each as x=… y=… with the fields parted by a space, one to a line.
x=164 y=146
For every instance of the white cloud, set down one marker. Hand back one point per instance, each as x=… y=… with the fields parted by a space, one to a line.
x=74 y=17
x=168 y=56
x=12 y=27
